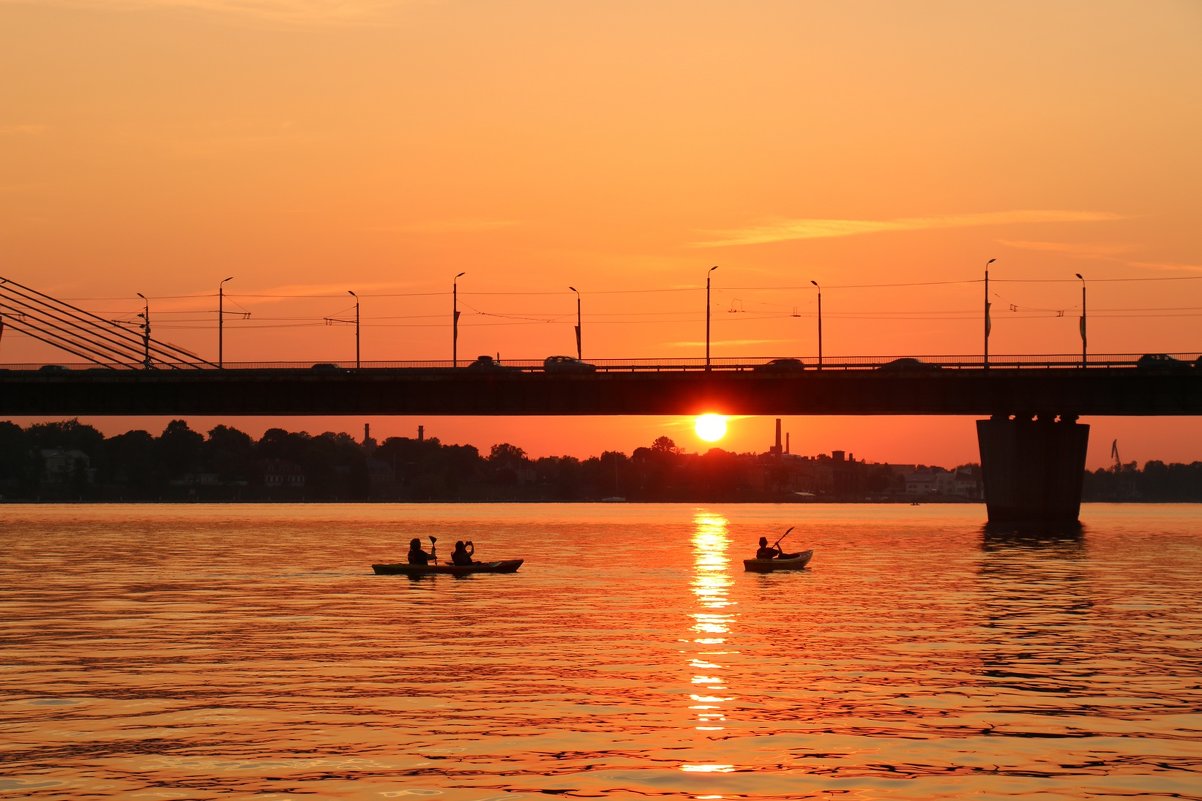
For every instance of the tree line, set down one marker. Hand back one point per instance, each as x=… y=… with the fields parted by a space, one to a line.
x=72 y=461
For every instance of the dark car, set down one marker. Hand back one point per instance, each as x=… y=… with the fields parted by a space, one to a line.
x=1160 y=363
x=52 y=368
x=908 y=365
x=567 y=364
x=781 y=366
x=325 y=367
x=486 y=362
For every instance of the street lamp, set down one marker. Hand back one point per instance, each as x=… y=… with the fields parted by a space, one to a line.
x=579 y=350
x=455 y=320
x=815 y=283
x=145 y=315
x=707 y=315
x=356 y=297
x=221 y=320
x=1082 y=320
x=987 y=323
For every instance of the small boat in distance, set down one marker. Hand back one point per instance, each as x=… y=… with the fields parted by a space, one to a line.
x=796 y=561
x=405 y=569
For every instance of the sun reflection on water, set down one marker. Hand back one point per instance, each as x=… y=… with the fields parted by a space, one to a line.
x=711 y=624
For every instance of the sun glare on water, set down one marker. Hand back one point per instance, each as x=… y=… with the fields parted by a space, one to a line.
x=710 y=427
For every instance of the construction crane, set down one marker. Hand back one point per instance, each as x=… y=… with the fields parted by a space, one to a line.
x=1114 y=453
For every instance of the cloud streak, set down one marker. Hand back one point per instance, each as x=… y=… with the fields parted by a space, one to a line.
x=26 y=129
x=717 y=342
x=464 y=226
x=817 y=228
x=284 y=12
x=1078 y=250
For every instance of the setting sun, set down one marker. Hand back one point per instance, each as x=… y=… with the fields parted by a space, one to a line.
x=711 y=427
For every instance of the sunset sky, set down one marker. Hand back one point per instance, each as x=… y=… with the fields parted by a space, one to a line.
x=886 y=150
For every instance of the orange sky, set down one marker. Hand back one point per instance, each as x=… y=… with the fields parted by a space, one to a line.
x=884 y=149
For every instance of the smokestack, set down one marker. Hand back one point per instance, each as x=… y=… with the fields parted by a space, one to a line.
x=366 y=433
x=421 y=433
x=776 y=448
x=787 y=444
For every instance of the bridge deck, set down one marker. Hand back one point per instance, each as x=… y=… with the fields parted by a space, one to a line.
x=462 y=391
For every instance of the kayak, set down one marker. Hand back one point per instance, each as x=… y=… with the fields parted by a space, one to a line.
x=404 y=569
x=796 y=561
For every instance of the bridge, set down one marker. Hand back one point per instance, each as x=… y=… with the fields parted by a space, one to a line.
x=1032 y=445
x=1033 y=386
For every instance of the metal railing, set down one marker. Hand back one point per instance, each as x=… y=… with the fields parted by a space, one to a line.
x=721 y=364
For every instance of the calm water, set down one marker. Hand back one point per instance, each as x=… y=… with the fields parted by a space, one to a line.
x=205 y=652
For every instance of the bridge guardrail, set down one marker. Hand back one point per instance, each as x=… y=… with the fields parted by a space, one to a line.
x=722 y=364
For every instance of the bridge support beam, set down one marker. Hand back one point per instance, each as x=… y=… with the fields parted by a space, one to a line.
x=1033 y=469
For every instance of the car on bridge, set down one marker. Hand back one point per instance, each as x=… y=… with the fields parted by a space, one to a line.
x=787 y=365
x=1161 y=363
x=908 y=365
x=567 y=364
x=486 y=362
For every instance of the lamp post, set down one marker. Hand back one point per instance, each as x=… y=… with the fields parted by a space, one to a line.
x=145 y=315
x=356 y=297
x=1083 y=346
x=579 y=350
x=815 y=283
x=987 y=324
x=221 y=321
x=708 y=275
x=455 y=320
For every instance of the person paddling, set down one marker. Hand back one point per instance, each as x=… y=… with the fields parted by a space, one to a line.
x=773 y=552
x=462 y=555
x=765 y=552
x=419 y=557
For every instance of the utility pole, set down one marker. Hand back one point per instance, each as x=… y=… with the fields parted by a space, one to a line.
x=145 y=315
x=221 y=321
x=987 y=324
x=707 y=315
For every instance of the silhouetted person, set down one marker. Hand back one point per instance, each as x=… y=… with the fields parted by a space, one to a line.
x=416 y=555
x=765 y=552
x=462 y=555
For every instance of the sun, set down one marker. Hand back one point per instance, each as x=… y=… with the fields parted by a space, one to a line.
x=710 y=427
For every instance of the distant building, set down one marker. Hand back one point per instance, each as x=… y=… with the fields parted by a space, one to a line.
x=283 y=473
x=63 y=466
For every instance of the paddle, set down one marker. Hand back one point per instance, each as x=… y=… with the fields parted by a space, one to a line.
x=433 y=540
x=782 y=536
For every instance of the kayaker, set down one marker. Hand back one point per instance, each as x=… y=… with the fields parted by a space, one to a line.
x=417 y=556
x=765 y=552
x=462 y=555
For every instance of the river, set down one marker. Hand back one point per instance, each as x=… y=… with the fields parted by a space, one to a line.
x=242 y=651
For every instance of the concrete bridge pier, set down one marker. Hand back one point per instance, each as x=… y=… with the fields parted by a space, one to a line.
x=1033 y=468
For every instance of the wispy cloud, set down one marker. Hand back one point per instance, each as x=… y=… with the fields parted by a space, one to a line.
x=1168 y=265
x=291 y=292
x=285 y=12
x=815 y=228
x=724 y=342
x=446 y=226
x=1101 y=251
x=23 y=129
x=1078 y=250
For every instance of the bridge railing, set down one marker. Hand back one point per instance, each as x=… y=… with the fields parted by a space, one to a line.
x=722 y=364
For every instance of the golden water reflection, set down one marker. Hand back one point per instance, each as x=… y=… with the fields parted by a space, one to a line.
x=711 y=625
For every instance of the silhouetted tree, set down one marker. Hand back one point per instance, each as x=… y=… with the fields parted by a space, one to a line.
x=179 y=449
x=130 y=462
x=229 y=453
